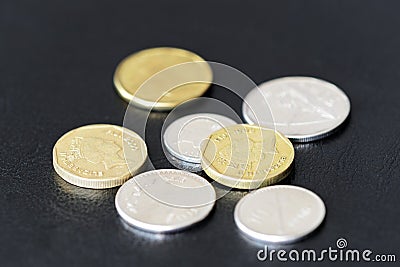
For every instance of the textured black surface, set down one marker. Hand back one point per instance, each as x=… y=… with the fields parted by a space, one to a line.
x=56 y=64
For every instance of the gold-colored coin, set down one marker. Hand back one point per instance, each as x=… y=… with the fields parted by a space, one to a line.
x=247 y=157
x=99 y=156
x=162 y=78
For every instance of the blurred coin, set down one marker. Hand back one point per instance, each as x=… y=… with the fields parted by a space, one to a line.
x=281 y=213
x=304 y=108
x=165 y=200
x=184 y=136
x=247 y=157
x=131 y=78
x=93 y=156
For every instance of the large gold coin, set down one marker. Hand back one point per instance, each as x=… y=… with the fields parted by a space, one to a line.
x=247 y=157
x=99 y=156
x=168 y=86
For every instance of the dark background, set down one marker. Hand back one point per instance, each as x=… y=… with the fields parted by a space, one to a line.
x=57 y=59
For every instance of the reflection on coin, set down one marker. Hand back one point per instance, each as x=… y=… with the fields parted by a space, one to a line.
x=93 y=156
x=304 y=108
x=281 y=213
x=247 y=157
x=188 y=81
x=183 y=137
x=165 y=200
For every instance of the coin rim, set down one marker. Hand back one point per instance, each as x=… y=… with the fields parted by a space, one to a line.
x=271 y=238
x=183 y=165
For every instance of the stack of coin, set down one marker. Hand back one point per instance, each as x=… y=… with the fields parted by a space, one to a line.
x=183 y=138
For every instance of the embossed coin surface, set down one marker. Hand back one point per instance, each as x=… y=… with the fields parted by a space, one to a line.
x=304 y=108
x=94 y=156
x=165 y=200
x=247 y=157
x=184 y=136
x=189 y=78
x=280 y=213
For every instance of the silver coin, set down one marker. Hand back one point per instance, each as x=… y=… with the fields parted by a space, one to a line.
x=279 y=214
x=183 y=137
x=165 y=200
x=304 y=108
x=183 y=165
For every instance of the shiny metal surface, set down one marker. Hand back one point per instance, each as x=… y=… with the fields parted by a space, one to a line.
x=247 y=156
x=183 y=165
x=279 y=214
x=132 y=77
x=183 y=137
x=304 y=108
x=165 y=200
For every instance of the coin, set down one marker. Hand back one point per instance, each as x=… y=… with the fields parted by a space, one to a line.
x=279 y=214
x=94 y=156
x=304 y=108
x=183 y=165
x=184 y=136
x=165 y=200
x=247 y=157
x=189 y=78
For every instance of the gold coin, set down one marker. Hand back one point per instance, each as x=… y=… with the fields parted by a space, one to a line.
x=99 y=156
x=247 y=157
x=189 y=78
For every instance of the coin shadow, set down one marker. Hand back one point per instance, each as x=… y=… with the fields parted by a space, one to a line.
x=329 y=137
x=82 y=205
x=236 y=193
x=314 y=233
x=259 y=243
x=340 y=129
x=290 y=178
x=153 y=237
x=285 y=245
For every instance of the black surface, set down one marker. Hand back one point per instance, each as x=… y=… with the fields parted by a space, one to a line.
x=56 y=64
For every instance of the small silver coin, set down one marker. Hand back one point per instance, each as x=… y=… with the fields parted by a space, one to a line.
x=304 y=108
x=279 y=214
x=183 y=137
x=165 y=200
x=183 y=165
